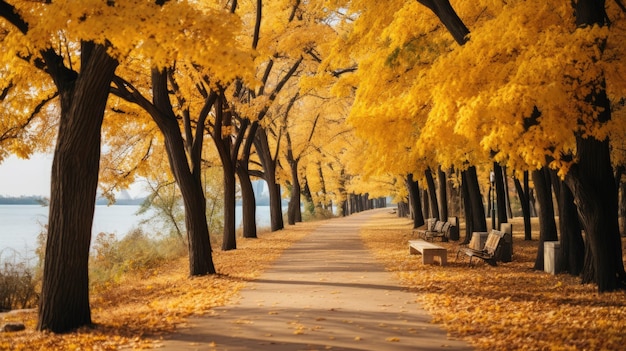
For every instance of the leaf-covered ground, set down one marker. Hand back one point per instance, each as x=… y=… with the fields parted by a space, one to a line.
x=508 y=307
x=142 y=307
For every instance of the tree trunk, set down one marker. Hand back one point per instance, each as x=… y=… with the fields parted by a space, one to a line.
x=432 y=194
x=547 y=223
x=293 y=212
x=479 y=223
x=229 y=240
x=415 y=201
x=64 y=303
x=507 y=194
x=467 y=205
x=189 y=182
x=248 y=201
x=500 y=195
x=443 y=194
x=622 y=206
x=572 y=251
x=425 y=204
x=522 y=194
x=591 y=178
x=223 y=143
x=269 y=173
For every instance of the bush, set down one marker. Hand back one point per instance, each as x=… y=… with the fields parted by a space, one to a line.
x=136 y=252
x=18 y=287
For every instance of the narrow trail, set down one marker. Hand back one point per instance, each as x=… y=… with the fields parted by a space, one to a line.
x=326 y=292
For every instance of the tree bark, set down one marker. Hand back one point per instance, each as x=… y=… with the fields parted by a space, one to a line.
x=269 y=173
x=507 y=194
x=443 y=194
x=415 y=201
x=500 y=195
x=223 y=143
x=547 y=223
x=572 y=250
x=522 y=194
x=432 y=194
x=591 y=178
x=479 y=223
x=293 y=212
x=248 y=201
x=64 y=300
x=188 y=178
x=449 y=18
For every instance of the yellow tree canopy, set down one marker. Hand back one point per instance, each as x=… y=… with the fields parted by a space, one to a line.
x=426 y=100
x=137 y=33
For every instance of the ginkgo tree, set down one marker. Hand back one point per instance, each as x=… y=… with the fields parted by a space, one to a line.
x=530 y=86
x=79 y=45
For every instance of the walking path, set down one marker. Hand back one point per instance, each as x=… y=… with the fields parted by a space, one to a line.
x=326 y=292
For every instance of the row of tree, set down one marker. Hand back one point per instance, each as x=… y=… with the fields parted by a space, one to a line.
x=171 y=89
x=262 y=90
x=535 y=87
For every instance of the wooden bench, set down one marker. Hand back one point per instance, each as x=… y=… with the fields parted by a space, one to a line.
x=428 y=251
x=488 y=253
x=435 y=229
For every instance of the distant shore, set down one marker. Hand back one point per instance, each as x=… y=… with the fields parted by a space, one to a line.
x=43 y=201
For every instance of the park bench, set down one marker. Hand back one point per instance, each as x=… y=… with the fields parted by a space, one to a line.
x=488 y=253
x=435 y=229
x=428 y=251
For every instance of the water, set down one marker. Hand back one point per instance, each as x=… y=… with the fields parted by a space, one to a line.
x=21 y=224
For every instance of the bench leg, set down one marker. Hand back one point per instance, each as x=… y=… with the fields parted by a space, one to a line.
x=427 y=259
x=444 y=260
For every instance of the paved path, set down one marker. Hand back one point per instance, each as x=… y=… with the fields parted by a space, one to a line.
x=326 y=292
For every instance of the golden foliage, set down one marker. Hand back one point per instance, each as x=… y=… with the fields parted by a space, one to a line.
x=428 y=101
x=141 y=308
x=508 y=307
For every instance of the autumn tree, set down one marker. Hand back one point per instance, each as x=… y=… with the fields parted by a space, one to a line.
x=82 y=69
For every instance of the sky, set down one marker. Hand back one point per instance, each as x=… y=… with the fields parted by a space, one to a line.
x=26 y=177
x=19 y=177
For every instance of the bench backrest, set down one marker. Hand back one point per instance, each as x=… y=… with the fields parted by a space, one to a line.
x=439 y=226
x=493 y=241
x=445 y=227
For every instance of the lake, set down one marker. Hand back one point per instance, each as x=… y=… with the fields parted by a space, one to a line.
x=21 y=224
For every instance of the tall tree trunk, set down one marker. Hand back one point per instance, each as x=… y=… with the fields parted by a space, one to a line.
x=622 y=207
x=522 y=194
x=507 y=194
x=248 y=201
x=229 y=241
x=479 y=223
x=547 y=223
x=425 y=204
x=443 y=194
x=65 y=286
x=467 y=205
x=293 y=212
x=223 y=143
x=269 y=174
x=432 y=194
x=591 y=178
x=500 y=195
x=415 y=201
x=572 y=251
x=188 y=178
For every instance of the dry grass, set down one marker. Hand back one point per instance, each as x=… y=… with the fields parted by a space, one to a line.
x=137 y=311
x=508 y=307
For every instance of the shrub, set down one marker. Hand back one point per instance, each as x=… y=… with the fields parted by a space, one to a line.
x=136 y=252
x=18 y=287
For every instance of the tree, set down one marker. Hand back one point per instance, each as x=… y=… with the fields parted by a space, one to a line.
x=82 y=70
